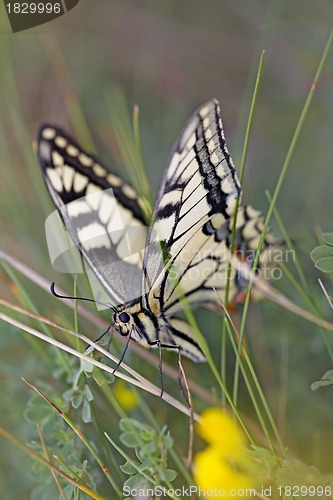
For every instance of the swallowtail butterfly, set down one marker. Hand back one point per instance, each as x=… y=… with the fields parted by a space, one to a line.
x=185 y=250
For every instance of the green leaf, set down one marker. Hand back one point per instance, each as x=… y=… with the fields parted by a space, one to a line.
x=148 y=434
x=69 y=490
x=86 y=366
x=320 y=252
x=102 y=378
x=76 y=400
x=130 y=440
x=86 y=412
x=328 y=238
x=67 y=395
x=149 y=463
x=130 y=424
x=327 y=379
x=37 y=410
x=134 y=482
x=325 y=264
x=148 y=449
x=81 y=380
x=87 y=393
x=168 y=441
x=168 y=475
x=129 y=469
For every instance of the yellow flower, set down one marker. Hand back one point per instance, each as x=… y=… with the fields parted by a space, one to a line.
x=218 y=427
x=225 y=466
x=214 y=470
x=126 y=397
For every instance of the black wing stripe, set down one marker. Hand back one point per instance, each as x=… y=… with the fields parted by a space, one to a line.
x=48 y=146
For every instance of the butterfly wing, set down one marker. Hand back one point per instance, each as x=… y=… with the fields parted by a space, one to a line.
x=101 y=213
x=197 y=198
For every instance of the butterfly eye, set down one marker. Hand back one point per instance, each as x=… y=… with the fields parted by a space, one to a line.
x=124 y=317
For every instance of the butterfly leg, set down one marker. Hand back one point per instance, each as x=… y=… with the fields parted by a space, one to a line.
x=157 y=343
x=90 y=349
x=104 y=333
x=188 y=397
x=128 y=338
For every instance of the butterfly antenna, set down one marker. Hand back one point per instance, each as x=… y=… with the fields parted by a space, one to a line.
x=70 y=297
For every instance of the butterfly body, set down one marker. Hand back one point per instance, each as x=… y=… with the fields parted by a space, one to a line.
x=149 y=273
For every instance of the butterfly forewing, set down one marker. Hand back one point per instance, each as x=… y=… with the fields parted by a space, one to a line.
x=101 y=213
x=197 y=196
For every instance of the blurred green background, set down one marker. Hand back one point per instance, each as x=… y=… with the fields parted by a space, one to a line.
x=168 y=57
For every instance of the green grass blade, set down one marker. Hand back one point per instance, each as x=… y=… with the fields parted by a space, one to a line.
x=284 y=170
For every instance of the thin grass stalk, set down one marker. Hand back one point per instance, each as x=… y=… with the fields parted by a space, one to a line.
x=283 y=174
x=57 y=60
x=126 y=141
x=140 y=161
x=25 y=298
x=233 y=232
x=203 y=345
x=241 y=175
x=148 y=386
x=239 y=355
x=80 y=434
x=97 y=347
x=137 y=467
x=95 y=320
x=70 y=470
x=173 y=453
x=55 y=477
x=76 y=317
x=108 y=393
x=264 y=402
x=288 y=241
x=270 y=293
x=302 y=287
x=18 y=444
x=251 y=393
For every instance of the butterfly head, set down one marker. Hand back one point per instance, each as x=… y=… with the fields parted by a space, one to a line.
x=123 y=322
x=132 y=320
